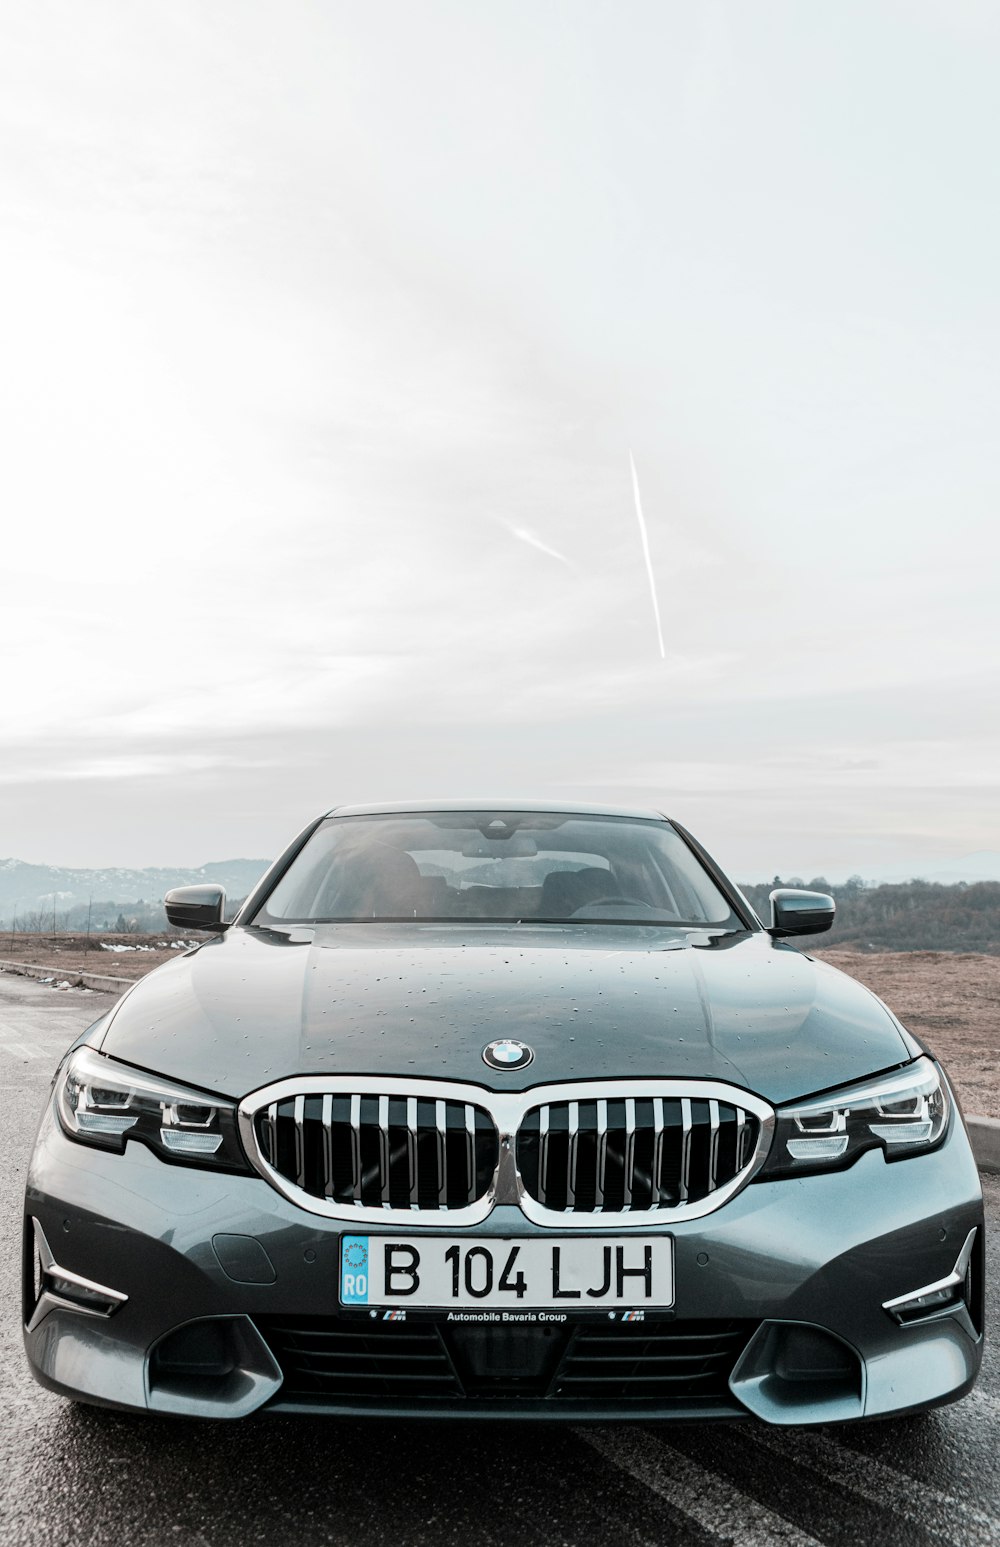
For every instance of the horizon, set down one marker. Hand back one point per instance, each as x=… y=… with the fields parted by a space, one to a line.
x=988 y=861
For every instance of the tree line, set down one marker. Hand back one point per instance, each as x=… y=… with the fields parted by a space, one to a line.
x=905 y=916
x=909 y=916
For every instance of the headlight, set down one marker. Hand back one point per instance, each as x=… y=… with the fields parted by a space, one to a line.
x=904 y=1113
x=102 y=1102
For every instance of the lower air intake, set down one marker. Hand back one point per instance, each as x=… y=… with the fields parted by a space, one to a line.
x=326 y=1360
x=681 y=1365
x=663 y=1362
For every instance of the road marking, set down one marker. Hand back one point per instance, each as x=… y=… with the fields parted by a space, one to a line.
x=50 y=1037
x=706 y=1498
x=24 y=1050
x=907 y=1497
x=49 y=1043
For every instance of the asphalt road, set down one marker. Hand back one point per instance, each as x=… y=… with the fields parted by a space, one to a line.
x=81 y=1476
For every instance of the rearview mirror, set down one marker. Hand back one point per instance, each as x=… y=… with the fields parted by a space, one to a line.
x=196 y=907
x=517 y=846
x=794 y=912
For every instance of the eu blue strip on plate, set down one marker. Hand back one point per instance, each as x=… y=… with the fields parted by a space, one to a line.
x=354 y=1270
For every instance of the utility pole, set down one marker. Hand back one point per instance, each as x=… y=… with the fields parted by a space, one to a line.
x=90 y=904
x=13 y=924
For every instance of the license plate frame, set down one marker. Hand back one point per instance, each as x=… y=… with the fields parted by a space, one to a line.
x=505 y=1278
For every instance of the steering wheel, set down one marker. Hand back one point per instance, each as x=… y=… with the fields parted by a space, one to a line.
x=600 y=902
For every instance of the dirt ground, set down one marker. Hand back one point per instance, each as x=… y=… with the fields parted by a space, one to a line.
x=950 y=1000
x=120 y=956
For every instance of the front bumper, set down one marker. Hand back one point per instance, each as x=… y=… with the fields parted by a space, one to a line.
x=787 y=1272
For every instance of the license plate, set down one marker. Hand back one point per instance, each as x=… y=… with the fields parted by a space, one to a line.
x=570 y=1273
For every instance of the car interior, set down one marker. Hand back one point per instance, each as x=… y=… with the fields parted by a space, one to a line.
x=412 y=869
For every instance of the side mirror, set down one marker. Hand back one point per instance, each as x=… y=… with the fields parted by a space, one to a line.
x=800 y=913
x=196 y=907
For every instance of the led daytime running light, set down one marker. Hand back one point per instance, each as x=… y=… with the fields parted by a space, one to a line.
x=104 y=1103
x=902 y=1113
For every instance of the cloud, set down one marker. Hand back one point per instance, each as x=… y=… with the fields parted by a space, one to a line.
x=523 y=535
x=303 y=381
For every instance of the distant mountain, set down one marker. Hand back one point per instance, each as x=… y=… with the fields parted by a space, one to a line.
x=37 y=888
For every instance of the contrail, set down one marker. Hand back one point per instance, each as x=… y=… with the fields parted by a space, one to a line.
x=645 y=554
x=523 y=535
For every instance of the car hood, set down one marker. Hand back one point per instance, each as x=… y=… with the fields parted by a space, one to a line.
x=593 y=1002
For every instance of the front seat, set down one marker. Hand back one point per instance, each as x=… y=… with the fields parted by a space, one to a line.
x=563 y=891
x=372 y=881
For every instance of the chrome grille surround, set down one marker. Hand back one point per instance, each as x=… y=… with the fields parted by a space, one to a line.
x=362 y=1149
x=599 y=1154
x=507 y=1112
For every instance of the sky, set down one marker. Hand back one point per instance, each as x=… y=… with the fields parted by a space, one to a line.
x=328 y=333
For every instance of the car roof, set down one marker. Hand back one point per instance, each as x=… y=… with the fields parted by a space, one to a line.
x=570 y=808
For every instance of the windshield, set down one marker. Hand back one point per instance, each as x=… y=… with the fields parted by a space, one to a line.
x=488 y=866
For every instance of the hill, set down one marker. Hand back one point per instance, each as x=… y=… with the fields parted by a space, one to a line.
x=47 y=896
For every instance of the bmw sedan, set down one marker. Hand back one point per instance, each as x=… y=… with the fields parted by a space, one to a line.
x=497 y=1112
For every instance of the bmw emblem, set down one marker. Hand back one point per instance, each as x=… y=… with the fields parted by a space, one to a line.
x=507 y=1055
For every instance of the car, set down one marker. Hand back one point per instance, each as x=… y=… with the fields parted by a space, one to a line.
x=502 y=1111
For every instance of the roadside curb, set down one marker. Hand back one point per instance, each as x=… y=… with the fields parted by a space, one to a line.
x=100 y=982
x=985 y=1135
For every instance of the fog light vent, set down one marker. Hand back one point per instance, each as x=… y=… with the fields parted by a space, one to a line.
x=792 y=1372
x=201 y=1349
x=219 y=1367
x=806 y=1354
